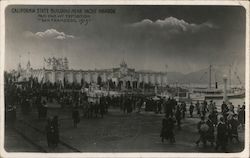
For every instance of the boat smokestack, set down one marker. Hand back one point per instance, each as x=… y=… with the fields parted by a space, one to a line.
x=216 y=85
x=225 y=99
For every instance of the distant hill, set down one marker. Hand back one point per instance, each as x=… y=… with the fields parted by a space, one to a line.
x=201 y=77
x=175 y=77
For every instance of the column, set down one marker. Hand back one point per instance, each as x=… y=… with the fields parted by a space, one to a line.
x=225 y=99
x=53 y=76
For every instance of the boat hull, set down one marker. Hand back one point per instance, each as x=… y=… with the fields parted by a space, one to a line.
x=242 y=95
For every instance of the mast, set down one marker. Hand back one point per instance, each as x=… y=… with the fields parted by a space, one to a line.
x=230 y=81
x=210 y=74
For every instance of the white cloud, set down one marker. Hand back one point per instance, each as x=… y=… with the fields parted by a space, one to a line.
x=49 y=34
x=172 y=25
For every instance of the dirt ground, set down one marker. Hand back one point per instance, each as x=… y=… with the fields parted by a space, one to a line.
x=116 y=132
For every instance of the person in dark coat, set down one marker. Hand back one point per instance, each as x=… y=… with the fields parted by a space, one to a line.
x=233 y=128
x=170 y=127
x=210 y=132
x=197 y=106
x=202 y=130
x=76 y=117
x=191 y=109
x=183 y=109
x=178 y=116
x=204 y=109
x=172 y=104
x=222 y=135
x=50 y=133
x=167 y=129
x=159 y=104
x=224 y=109
x=56 y=127
x=242 y=116
x=164 y=130
x=214 y=117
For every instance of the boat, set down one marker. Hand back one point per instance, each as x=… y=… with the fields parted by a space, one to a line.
x=203 y=94
x=215 y=93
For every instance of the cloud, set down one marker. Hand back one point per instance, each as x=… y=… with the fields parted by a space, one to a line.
x=49 y=34
x=171 y=25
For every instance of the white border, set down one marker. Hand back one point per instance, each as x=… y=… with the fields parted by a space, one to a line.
x=4 y=4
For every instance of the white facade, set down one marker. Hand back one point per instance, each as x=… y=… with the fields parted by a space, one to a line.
x=122 y=73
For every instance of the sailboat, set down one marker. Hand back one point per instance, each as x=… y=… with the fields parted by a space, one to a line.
x=215 y=92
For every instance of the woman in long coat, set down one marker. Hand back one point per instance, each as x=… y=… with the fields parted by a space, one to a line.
x=167 y=129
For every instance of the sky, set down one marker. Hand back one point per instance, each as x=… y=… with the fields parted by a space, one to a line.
x=185 y=38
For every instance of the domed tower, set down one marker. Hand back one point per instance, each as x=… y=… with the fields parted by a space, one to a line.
x=123 y=64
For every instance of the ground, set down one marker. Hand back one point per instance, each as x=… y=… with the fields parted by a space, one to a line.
x=116 y=132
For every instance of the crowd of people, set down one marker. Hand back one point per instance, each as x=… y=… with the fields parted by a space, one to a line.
x=217 y=126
